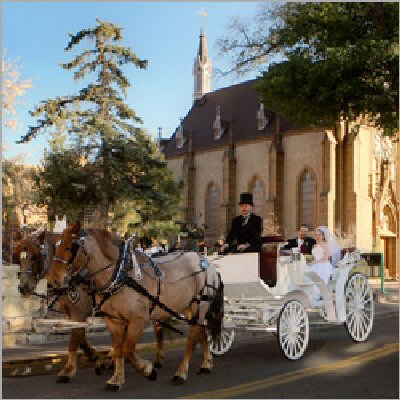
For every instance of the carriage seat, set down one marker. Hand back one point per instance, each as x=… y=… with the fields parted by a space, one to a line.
x=268 y=258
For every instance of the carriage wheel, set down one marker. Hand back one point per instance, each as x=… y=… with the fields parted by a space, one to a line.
x=359 y=307
x=293 y=330
x=224 y=344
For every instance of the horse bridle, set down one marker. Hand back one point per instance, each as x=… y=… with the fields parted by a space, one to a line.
x=73 y=249
x=37 y=258
x=83 y=275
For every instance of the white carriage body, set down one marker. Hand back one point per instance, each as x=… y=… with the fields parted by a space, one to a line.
x=243 y=285
x=252 y=305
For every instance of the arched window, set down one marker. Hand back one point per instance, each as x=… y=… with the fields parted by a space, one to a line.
x=257 y=188
x=212 y=210
x=307 y=204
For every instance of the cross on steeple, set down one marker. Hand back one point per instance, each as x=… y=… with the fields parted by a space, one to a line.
x=203 y=14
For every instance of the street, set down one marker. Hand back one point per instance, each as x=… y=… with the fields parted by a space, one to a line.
x=333 y=367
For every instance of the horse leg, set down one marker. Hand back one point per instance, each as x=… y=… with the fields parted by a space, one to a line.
x=99 y=361
x=145 y=367
x=160 y=354
x=118 y=339
x=181 y=374
x=207 y=364
x=69 y=370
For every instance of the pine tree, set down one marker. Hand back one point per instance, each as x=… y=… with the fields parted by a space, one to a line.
x=120 y=158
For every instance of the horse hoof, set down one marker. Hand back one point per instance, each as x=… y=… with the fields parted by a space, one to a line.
x=204 y=371
x=157 y=365
x=178 y=380
x=153 y=375
x=63 y=379
x=112 y=387
x=100 y=370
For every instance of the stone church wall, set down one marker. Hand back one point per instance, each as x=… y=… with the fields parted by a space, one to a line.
x=175 y=165
x=208 y=169
x=252 y=159
x=301 y=151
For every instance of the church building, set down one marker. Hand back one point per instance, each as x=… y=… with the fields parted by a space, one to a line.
x=230 y=143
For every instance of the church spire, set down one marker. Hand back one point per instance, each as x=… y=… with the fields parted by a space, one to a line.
x=202 y=65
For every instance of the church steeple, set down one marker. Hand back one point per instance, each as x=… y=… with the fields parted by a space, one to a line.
x=202 y=67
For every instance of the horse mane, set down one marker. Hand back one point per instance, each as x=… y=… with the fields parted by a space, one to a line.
x=104 y=240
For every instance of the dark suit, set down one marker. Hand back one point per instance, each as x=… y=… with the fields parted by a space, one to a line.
x=249 y=233
x=307 y=244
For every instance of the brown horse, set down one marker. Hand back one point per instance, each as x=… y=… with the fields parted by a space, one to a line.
x=64 y=253
x=185 y=288
x=34 y=254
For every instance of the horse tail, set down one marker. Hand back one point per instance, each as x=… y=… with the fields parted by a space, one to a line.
x=215 y=314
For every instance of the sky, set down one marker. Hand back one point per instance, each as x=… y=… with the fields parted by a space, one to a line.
x=164 y=33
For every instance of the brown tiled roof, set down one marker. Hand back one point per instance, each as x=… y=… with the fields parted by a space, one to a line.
x=239 y=106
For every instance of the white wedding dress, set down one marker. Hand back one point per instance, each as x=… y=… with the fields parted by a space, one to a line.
x=322 y=269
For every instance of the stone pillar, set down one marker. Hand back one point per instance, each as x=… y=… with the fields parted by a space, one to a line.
x=327 y=195
x=19 y=312
x=350 y=201
x=189 y=179
x=229 y=200
x=276 y=180
x=340 y=177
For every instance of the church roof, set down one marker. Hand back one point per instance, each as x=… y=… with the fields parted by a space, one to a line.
x=239 y=105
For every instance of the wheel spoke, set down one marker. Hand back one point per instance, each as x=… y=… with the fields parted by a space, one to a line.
x=356 y=325
x=363 y=324
x=351 y=318
x=366 y=319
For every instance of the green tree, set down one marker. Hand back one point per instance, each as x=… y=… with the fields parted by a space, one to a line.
x=115 y=160
x=18 y=191
x=325 y=61
x=140 y=182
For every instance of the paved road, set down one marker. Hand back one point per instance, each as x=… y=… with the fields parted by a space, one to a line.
x=333 y=367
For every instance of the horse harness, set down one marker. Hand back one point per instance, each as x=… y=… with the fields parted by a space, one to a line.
x=127 y=261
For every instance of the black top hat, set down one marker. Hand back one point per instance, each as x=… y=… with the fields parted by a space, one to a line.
x=246 y=198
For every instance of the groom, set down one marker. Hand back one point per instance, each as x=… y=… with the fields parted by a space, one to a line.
x=302 y=241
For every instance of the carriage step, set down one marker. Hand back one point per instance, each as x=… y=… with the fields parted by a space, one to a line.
x=261 y=328
x=236 y=310
x=240 y=316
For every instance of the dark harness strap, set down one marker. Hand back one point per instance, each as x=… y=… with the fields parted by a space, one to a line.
x=153 y=305
x=170 y=327
x=142 y=290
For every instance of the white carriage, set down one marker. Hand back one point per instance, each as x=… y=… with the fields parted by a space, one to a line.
x=284 y=309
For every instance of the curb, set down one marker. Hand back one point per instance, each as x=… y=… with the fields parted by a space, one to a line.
x=54 y=363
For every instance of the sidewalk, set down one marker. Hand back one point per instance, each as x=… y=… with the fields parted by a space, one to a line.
x=44 y=358
x=39 y=359
x=391 y=290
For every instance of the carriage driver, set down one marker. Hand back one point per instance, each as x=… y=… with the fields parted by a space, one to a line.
x=246 y=229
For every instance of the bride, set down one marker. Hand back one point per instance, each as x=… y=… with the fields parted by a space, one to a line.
x=326 y=253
